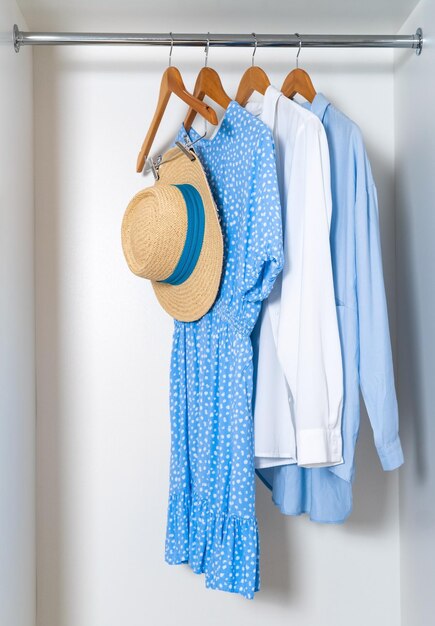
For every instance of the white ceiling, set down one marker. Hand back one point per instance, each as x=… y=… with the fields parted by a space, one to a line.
x=335 y=16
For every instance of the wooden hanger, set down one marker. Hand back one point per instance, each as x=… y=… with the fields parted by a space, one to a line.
x=208 y=83
x=298 y=81
x=171 y=83
x=254 y=79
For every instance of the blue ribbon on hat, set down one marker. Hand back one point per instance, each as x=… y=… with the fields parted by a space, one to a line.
x=194 y=236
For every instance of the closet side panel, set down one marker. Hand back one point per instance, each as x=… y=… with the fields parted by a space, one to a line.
x=415 y=205
x=17 y=365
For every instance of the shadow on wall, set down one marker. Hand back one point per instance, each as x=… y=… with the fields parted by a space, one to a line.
x=410 y=338
x=278 y=581
x=50 y=504
x=371 y=493
x=231 y=65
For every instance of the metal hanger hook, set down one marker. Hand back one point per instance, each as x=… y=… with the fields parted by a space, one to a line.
x=206 y=49
x=170 y=51
x=299 y=51
x=255 y=49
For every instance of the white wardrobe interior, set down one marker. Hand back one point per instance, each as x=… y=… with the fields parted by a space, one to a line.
x=84 y=445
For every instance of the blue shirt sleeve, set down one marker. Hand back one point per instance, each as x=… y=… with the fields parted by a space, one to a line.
x=375 y=357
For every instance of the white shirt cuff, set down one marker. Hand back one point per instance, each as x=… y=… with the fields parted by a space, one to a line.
x=317 y=447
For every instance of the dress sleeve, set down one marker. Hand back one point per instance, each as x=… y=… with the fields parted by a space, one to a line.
x=264 y=252
x=375 y=357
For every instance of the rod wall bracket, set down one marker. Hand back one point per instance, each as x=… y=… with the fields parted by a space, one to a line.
x=16 y=38
x=419 y=46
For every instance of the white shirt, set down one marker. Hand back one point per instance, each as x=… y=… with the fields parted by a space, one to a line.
x=299 y=378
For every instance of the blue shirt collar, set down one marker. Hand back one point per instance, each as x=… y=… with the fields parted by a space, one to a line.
x=318 y=106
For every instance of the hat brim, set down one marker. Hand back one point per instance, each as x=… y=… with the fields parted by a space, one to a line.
x=192 y=299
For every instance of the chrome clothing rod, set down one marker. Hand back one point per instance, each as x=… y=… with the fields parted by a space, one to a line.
x=22 y=38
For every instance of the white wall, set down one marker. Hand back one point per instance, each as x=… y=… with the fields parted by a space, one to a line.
x=17 y=371
x=307 y=16
x=103 y=347
x=415 y=205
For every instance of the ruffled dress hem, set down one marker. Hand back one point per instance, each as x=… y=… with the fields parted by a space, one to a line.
x=222 y=546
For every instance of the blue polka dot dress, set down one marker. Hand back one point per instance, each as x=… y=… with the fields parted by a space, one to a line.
x=211 y=517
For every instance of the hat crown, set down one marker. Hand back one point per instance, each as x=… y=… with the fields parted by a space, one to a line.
x=154 y=240
x=172 y=236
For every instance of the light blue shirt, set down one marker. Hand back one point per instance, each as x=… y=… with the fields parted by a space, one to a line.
x=326 y=493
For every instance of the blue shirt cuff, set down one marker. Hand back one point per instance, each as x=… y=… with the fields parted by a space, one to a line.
x=391 y=455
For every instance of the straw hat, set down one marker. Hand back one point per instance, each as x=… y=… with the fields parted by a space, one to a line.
x=171 y=232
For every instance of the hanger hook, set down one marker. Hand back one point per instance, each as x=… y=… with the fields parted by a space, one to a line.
x=206 y=49
x=299 y=51
x=170 y=51
x=255 y=49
